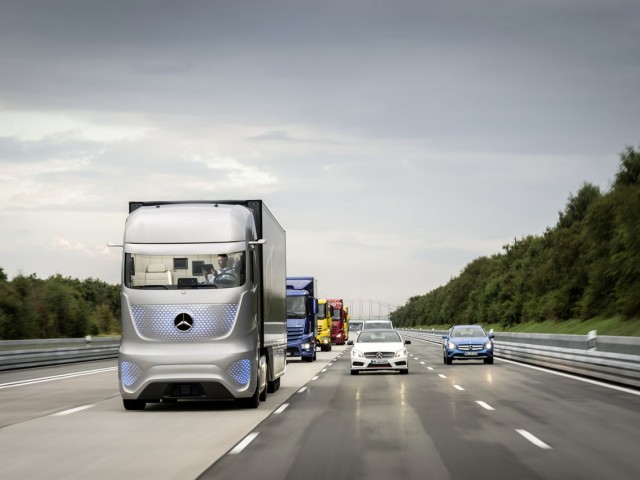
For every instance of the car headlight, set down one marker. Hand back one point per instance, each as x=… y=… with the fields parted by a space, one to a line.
x=356 y=353
x=488 y=345
x=401 y=353
x=452 y=346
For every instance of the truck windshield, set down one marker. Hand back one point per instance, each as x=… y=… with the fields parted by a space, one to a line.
x=337 y=314
x=296 y=307
x=322 y=310
x=172 y=272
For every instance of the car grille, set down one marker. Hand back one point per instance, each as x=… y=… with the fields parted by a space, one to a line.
x=379 y=355
x=470 y=347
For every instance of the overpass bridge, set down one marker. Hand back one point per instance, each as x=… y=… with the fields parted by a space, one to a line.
x=361 y=309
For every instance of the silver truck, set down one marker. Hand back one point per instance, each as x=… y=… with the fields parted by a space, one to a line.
x=203 y=303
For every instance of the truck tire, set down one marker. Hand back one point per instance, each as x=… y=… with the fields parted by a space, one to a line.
x=252 y=402
x=133 y=404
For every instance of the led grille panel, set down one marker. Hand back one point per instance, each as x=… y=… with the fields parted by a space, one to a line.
x=156 y=322
x=240 y=371
x=130 y=373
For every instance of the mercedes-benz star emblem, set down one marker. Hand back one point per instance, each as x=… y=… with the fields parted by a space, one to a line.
x=379 y=355
x=183 y=322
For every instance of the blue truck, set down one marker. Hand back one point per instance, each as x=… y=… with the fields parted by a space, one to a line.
x=302 y=306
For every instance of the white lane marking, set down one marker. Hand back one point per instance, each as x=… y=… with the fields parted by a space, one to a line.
x=458 y=387
x=55 y=377
x=302 y=389
x=429 y=368
x=568 y=375
x=484 y=405
x=323 y=370
x=243 y=444
x=72 y=410
x=533 y=439
x=315 y=378
x=442 y=376
x=281 y=409
x=422 y=363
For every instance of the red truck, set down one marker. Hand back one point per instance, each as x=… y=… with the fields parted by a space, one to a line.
x=339 y=325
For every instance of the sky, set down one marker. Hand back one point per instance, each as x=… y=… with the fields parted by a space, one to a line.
x=394 y=140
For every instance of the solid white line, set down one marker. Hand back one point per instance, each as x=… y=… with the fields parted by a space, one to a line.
x=568 y=375
x=458 y=387
x=302 y=389
x=442 y=376
x=281 y=409
x=55 y=377
x=484 y=405
x=533 y=439
x=241 y=446
x=72 y=410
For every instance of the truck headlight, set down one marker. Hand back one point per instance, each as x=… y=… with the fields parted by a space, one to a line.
x=306 y=346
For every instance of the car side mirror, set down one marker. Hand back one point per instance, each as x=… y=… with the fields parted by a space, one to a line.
x=407 y=342
x=492 y=336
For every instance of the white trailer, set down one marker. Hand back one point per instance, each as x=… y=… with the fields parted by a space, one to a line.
x=203 y=303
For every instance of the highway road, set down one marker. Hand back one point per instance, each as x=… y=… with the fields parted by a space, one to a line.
x=460 y=421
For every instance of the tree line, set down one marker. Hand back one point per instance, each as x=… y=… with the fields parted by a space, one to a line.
x=57 y=307
x=586 y=266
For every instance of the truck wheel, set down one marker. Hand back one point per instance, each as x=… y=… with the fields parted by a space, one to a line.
x=272 y=386
x=307 y=359
x=263 y=395
x=134 y=404
x=252 y=402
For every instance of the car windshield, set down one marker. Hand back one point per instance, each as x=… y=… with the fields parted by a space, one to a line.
x=378 y=337
x=189 y=270
x=468 y=332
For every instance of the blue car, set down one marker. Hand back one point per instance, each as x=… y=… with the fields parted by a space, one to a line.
x=467 y=342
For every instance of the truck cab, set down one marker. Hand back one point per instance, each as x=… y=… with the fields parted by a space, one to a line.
x=302 y=307
x=323 y=321
x=338 y=321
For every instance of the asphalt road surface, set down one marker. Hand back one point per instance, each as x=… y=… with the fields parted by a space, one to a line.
x=460 y=421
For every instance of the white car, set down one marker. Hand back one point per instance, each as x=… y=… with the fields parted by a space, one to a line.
x=375 y=350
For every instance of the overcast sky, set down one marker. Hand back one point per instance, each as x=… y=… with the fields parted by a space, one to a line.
x=394 y=140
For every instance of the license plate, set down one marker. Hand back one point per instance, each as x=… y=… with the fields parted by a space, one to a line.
x=470 y=354
x=378 y=362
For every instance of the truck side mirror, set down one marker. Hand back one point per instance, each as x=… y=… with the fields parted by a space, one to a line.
x=313 y=305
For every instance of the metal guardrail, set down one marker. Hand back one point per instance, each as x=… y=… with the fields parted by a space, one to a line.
x=578 y=354
x=587 y=360
x=17 y=354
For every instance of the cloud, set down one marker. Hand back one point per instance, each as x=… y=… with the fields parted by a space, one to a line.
x=238 y=174
x=35 y=126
